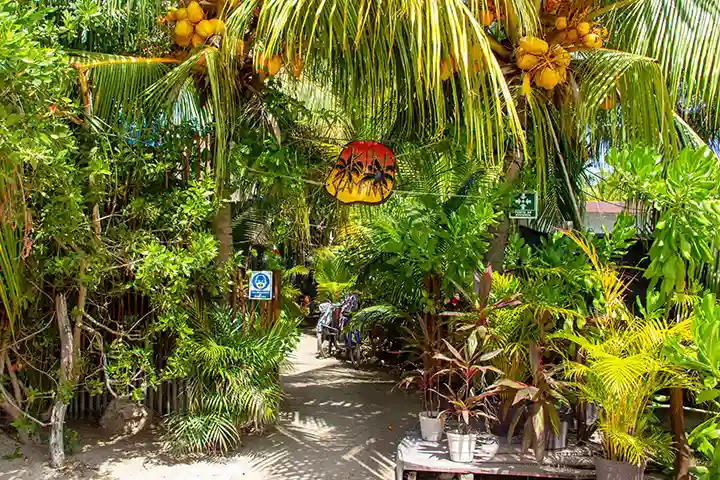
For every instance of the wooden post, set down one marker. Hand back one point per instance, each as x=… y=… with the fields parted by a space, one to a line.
x=275 y=303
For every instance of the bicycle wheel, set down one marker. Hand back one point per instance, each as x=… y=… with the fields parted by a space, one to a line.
x=354 y=354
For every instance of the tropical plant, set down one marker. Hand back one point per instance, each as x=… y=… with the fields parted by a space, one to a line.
x=682 y=248
x=540 y=400
x=469 y=399
x=333 y=274
x=233 y=381
x=624 y=366
x=705 y=439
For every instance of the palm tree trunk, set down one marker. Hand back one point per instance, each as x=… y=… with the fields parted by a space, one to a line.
x=223 y=232
x=496 y=253
x=677 y=420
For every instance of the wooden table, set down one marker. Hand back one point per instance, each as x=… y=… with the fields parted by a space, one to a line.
x=415 y=454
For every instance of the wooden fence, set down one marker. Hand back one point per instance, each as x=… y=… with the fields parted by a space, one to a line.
x=168 y=397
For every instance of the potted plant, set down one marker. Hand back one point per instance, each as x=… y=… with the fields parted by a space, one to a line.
x=541 y=402
x=626 y=364
x=432 y=423
x=468 y=400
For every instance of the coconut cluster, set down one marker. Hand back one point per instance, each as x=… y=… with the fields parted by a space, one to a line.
x=191 y=26
x=545 y=64
x=579 y=32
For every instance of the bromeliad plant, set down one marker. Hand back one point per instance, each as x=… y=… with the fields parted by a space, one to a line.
x=469 y=399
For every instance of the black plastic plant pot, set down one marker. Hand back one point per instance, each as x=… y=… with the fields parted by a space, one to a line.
x=612 y=470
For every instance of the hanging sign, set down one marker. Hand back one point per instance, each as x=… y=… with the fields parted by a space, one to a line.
x=260 y=286
x=363 y=173
x=524 y=206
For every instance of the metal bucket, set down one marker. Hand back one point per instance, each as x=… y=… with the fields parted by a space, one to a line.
x=558 y=442
x=612 y=470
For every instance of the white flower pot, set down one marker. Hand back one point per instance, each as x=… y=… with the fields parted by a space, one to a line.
x=461 y=446
x=487 y=447
x=431 y=426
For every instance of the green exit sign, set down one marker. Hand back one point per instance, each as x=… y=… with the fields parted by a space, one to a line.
x=524 y=206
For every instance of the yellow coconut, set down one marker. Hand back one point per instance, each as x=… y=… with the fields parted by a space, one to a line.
x=547 y=78
x=561 y=37
x=528 y=61
x=182 y=40
x=181 y=14
x=487 y=18
x=274 y=64
x=561 y=23
x=534 y=45
x=205 y=29
x=184 y=28
x=562 y=58
x=171 y=15
x=607 y=103
x=572 y=36
x=583 y=28
x=592 y=41
x=195 y=12
x=197 y=40
x=217 y=25
x=526 y=87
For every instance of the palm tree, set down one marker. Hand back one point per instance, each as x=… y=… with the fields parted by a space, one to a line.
x=424 y=69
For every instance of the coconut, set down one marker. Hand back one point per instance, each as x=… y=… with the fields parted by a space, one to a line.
x=528 y=61
x=607 y=103
x=182 y=40
x=572 y=36
x=487 y=18
x=218 y=26
x=274 y=64
x=547 y=78
x=171 y=16
x=583 y=28
x=561 y=23
x=534 y=45
x=197 y=40
x=181 y=14
x=184 y=29
x=195 y=12
x=592 y=41
x=205 y=29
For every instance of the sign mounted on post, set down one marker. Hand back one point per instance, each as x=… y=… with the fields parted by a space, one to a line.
x=524 y=206
x=260 y=286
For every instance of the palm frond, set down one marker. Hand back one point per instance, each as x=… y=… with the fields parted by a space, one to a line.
x=684 y=38
x=378 y=54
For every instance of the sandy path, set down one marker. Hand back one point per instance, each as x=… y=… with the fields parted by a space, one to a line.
x=336 y=423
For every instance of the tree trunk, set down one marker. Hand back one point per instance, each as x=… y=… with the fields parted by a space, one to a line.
x=496 y=253
x=677 y=421
x=57 y=444
x=223 y=233
x=57 y=417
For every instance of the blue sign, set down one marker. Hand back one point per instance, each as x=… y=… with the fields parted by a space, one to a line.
x=260 y=286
